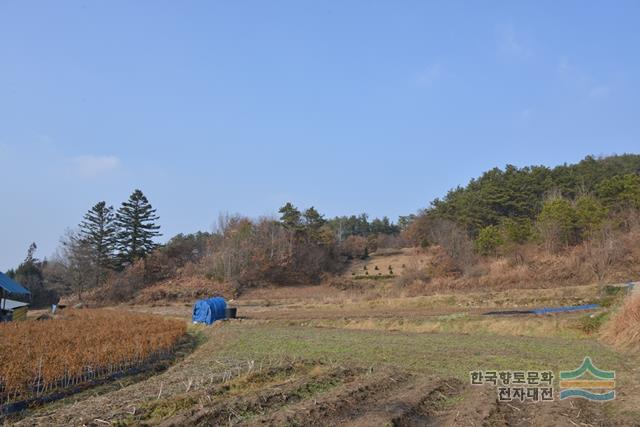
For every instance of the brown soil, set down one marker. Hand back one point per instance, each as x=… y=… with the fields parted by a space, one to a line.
x=222 y=406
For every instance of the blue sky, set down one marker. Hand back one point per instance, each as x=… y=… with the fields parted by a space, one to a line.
x=350 y=106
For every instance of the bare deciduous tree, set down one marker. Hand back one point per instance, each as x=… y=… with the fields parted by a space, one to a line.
x=454 y=240
x=76 y=258
x=603 y=252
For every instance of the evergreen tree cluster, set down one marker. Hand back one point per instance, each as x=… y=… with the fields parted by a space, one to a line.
x=520 y=193
x=359 y=225
x=312 y=223
x=116 y=239
x=559 y=207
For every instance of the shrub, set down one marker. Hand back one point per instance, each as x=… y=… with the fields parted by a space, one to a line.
x=412 y=274
x=592 y=323
x=557 y=223
x=589 y=215
x=489 y=240
x=623 y=330
x=613 y=290
x=354 y=247
x=517 y=230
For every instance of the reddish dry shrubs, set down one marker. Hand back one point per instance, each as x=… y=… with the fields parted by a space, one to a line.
x=39 y=356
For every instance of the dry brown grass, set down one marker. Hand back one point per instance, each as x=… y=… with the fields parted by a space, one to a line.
x=623 y=330
x=185 y=289
x=463 y=324
x=523 y=267
x=386 y=260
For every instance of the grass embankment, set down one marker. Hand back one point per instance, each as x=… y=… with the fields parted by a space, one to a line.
x=623 y=330
x=572 y=327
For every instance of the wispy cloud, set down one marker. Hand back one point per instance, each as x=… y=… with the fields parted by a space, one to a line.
x=512 y=43
x=526 y=115
x=563 y=66
x=43 y=138
x=582 y=80
x=429 y=75
x=90 y=166
x=599 y=91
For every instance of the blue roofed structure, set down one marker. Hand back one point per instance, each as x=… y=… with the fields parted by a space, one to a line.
x=11 y=309
x=11 y=286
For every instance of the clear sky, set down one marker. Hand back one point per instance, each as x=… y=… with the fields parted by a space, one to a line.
x=350 y=106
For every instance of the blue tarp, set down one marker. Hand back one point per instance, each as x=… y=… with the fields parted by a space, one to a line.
x=11 y=286
x=209 y=310
x=565 y=309
x=545 y=310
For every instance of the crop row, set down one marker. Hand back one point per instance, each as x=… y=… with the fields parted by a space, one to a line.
x=37 y=357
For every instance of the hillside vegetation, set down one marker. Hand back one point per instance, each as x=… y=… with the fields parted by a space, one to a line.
x=499 y=195
x=515 y=227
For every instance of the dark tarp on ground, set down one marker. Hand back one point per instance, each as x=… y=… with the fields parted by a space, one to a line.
x=209 y=310
x=544 y=310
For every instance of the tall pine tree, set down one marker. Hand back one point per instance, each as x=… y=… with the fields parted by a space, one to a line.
x=290 y=216
x=136 y=228
x=98 y=235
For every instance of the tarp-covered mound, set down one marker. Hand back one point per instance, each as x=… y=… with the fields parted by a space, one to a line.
x=209 y=310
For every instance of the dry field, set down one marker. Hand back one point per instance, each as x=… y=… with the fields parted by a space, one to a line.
x=79 y=346
x=326 y=356
x=263 y=374
x=305 y=359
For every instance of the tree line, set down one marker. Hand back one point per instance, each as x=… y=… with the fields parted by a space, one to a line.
x=299 y=246
x=116 y=252
x=521 y=192
x=556 y=207
x=492 y=215
x=106 y=241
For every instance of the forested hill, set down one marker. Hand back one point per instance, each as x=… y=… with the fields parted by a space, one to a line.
x=520 y=192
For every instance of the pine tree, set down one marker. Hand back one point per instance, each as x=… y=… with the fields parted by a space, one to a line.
x=313 y=221
x=30 y=258
x=290 y=216
x=136 y=228
x=98 y=234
